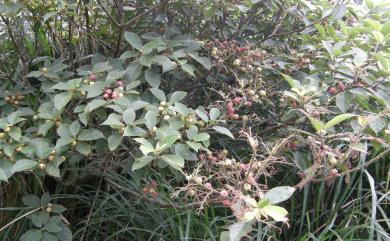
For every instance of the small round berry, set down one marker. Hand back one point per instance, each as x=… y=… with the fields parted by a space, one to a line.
x=244 y=118
x=263 y=93
x=332 y=161
x=226 y=203
x=106 y=96
x=191 y=193
x=163 y=103
x=340 y=86
x=166 y=117
x=2 y=135
x=251 y=180
x=208 y=185
x=45 y=70
x=7 y=129
x=108 y=91
x=198 y=180
x=224 y=193
x=237 y=63
x=86 y=81
x=114 y=95
x=259 y=69
x=332 y=91
x=92 y=77
x=119 y=83
x=42 y=166
x=247 y=187
x=333 y=172
x=51 y=158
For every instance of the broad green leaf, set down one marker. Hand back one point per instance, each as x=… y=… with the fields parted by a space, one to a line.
x=32 y=201
x=90 y=135
x=74 y=128
x=175 y=161
x=32 y=235
x=202 y=115
x=63 y=141
x=166 y=142
x=141 y=162
x=177 y=96
x=159 y=94
x=134 y=131
x=292 y=82
x=112 y=121
x=279 y=194
x=336 y=120
x=134 y=40
x=46 y=236
x=189 y=69
x=52 y=170
x=101 y=67
x=151 y=119
x=224 y=131
x=129 y=116
x=52 y=227
x=317 y=124
x=338 y=11
x=194 y=145
x=114 y=141
x=24 y=164
x=153 y=78
x=343 y=101
x=214 y=113
x=238 y=230
x=62 y=99
x=15 y=133
x=201 y=137
x=83 y=148
x=202 y=60
x=165 y=63
x=376 y=123
x=276 y=213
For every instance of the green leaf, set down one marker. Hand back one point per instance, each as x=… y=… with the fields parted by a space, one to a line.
x=90 y=134
x=74 y=128
x=129 y=116
x=32 y=201
x=65 y=234
x=224 y=131
x=152 y=78
x=48 y=15
x=166 y=142
x=189 y=69
x=151 y=119
x=62 y=99
x=238 y=230
x=24 y=164
x=141 y=162
x=202 y=60
x=276 y=213
x=52 y=170
x=49 y=237
x=194 y=145
x=175 y=161
x=376 y=123
x=317 y=124
x=343 y=101
x=57 y=208
x=32 y=235
x=134 y=40
x=112 y=121
x=52 y=227
x=338 y=11
x=63 y=141
x=128 y=54
x=101 y=67
x=177 y=96
x=134 y=131
x=292 y=82
x=15 y=133
x=114 y=141
x=214 y=113
x=338 y=119
x=201 y=137
x=159 y=94
x=360 y=57
x=83 y=148
x=165 y=62
x=279 y=194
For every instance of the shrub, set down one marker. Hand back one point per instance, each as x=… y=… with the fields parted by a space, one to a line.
x=228 y=107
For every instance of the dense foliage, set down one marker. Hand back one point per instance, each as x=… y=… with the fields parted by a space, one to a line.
x=194 y=120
